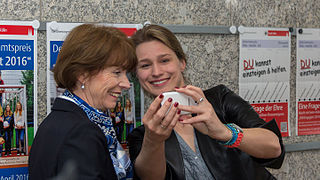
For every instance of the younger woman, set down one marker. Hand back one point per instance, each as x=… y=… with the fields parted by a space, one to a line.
x=119 y=120
x=1 y=131
x=8 y=124
x=20 y=128
x=128 y=117
x=224 y=139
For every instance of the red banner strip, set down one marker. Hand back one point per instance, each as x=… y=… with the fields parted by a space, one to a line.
x=16 y=30
x=278 y=33
x=128 y=31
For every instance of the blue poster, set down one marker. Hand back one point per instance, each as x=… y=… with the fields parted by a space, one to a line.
x=16 y=54
x=14 y=173
x=55 y=47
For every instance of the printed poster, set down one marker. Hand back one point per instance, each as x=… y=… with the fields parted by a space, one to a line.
x=130 y=105
x=308 y=82
x=264 y=73
x=18 y=92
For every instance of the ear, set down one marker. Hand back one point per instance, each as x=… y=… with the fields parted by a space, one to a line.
x=182 y=65
x=82 y=78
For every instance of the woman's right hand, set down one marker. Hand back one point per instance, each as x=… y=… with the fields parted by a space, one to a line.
x=157 y=122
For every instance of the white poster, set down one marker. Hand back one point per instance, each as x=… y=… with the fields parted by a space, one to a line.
x=56 y=33
x=308 y=82
x=264 y=73
x=18 y=96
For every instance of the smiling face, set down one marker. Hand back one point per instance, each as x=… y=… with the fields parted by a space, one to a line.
x=18 y=106
x=8 y=108
x=159 y=69
x=128 y=102
x=102 y=90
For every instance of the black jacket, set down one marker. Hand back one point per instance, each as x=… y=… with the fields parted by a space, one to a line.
x=11 y=123
x=69 y=146
x=223 y=163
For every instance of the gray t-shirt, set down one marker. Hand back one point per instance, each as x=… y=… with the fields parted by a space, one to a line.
x=194 y=166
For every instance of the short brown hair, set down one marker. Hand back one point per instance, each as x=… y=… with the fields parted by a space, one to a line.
x=162 y=34
x=90 y=48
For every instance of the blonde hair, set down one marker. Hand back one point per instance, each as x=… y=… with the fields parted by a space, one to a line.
x=20 y=110
x=159 y=33
x=127 y=106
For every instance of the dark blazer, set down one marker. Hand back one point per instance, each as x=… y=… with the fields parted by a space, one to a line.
x=222 y=162
x=68 y=145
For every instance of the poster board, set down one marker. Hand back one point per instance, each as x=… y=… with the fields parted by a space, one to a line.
x=56 y=33
x=264 y=73
x=18 y=65
x=308 y=82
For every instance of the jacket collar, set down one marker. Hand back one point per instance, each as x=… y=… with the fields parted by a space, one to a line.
x=61 y=104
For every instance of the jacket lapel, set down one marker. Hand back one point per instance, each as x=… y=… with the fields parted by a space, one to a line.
x=174 y=157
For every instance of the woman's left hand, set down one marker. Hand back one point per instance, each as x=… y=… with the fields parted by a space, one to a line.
x=206 y=121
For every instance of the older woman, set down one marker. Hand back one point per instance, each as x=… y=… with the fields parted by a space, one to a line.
x=224 y=139
x=77 y=139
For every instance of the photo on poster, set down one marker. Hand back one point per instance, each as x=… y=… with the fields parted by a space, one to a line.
x=127 y=113
x=16 y=109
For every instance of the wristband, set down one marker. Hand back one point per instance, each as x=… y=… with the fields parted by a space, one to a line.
x=237 y=142
x=236 y=138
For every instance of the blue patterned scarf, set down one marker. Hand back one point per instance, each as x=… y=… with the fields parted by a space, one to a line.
x=120 y=159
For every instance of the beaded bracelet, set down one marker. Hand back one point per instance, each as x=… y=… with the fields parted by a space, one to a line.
x=236 y=138
x=233 y=138
x=238 y=141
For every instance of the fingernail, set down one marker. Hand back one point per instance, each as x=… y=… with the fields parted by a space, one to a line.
x=179 y=111
x=170 y=99
x=176 y=104
x=176 y=87
x=161 y=96
x=180 y=120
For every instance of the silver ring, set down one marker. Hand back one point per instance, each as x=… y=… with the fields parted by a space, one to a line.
x=200 y=100
x=162 y=126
